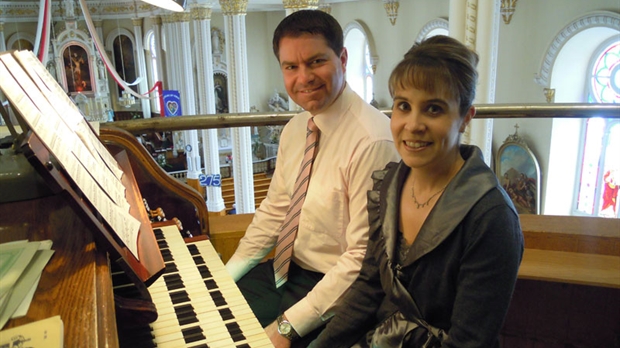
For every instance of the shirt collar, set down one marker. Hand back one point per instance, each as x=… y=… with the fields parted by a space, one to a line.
x=330 y=118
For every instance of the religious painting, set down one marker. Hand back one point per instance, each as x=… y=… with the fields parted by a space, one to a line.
x=124 y=62
x=519 y=174
x=220 y=85
x=77 y=69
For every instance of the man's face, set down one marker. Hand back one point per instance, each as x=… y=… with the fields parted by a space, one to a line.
x=314 y=76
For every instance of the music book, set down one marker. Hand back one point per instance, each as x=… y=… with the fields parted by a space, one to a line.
x=65 y=150
x=45 y=333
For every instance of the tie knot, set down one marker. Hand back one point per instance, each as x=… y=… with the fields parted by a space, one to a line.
x=311 y=125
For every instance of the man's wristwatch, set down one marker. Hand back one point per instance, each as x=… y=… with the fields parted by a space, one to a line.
x=286 y=329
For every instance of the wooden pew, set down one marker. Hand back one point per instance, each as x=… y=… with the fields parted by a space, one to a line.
x=568 y=291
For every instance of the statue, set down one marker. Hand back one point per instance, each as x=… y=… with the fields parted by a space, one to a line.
x=277 y=103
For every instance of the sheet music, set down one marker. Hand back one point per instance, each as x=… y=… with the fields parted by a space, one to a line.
x=74 y=119
x=62 y=128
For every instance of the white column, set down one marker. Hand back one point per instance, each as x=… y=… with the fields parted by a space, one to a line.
x=476 y=24
x=2 y=41
x=158 y=51
x=206 y=100
x=181 y=78
x=238 y=94
x=143 y=86
x=487 y=38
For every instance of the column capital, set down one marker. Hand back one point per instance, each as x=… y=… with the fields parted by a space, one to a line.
x=234 y=7
x=1 y=26
x=98 y=23
x=137 y=22
x=200 y=12
x=156 y=20
x=300 y=4
x=177 y=17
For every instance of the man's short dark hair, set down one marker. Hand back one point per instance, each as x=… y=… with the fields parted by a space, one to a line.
x=313 y=22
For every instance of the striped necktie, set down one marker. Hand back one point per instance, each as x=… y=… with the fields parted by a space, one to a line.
x=288 y=231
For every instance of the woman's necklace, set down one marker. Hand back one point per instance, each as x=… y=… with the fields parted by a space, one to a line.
x=422 y=205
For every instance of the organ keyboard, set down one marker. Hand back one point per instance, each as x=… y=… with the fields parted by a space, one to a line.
x=198 y=303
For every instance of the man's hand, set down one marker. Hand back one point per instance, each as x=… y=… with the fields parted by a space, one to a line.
x=277 y=340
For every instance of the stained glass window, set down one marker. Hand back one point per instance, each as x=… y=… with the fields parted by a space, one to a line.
x=605 y=80
x=597 y=194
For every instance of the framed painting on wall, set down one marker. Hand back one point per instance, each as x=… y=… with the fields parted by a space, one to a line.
x=77 y=69
x=220 y=84
x=519 y=174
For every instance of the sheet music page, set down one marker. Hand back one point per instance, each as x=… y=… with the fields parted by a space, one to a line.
x=57 y=121
x=74 y=120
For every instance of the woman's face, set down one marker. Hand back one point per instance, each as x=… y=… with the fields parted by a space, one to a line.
x=426 y=128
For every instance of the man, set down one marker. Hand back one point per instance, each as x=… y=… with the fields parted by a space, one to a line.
x=354 y=140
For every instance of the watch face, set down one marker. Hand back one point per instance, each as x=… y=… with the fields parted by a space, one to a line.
x=284 y=328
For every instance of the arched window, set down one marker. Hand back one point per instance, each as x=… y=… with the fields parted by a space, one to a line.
x=122 y=44
x=152 y=54
x=582 y=65
x=361 y=63
x=597 y=194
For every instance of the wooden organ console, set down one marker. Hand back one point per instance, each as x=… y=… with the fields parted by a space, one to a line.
x=193 y=303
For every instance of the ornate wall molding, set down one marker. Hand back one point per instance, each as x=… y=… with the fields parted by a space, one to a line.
x=300 y=4
x=234 y=7
x=438 y=23
x=595 y=19
x=200 y=12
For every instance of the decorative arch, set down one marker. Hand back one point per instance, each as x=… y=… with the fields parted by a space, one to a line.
x=23 y=40
x=76 y=62
x=596 y=19
x=433 y=27
x=130 y=73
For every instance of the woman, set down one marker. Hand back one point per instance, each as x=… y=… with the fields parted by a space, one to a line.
x=445 y=241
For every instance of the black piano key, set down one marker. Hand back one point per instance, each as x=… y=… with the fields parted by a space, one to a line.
x=245 y=345
x=193 y=250
x=162 y=244
x=198 y=260
x=218 y=299
x=179 y=297
x=226 y=314
x=159 y=234
x=173 y=282
x=187 y=318
x=202 y=345
x=204 y=272
x=235 y=332
x=211 y=284
x=171 y=267
x=193 y=334
x=166 y=255
x=184 y=308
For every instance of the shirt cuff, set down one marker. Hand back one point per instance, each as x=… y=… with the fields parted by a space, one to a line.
x=303 y=318
x=237 y=267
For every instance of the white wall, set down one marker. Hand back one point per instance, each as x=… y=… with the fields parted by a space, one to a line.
x=522 y=46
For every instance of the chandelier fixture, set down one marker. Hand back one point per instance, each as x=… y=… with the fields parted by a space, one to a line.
x=391 y=8
x=126 y=100
x=170 y=5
